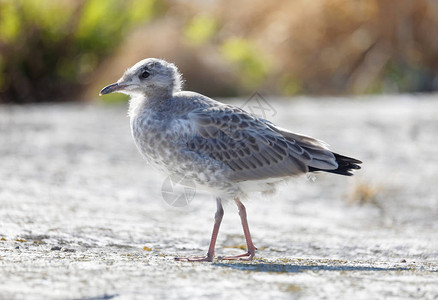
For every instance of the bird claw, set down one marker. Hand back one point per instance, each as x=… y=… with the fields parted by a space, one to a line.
x=248 y=256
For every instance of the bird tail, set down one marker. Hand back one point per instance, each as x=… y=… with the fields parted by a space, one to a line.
x=345 y=165
x=320 y=150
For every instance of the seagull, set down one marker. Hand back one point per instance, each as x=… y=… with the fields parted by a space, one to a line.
x=220 y=147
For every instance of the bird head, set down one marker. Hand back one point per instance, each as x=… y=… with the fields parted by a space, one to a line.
x=148 y=77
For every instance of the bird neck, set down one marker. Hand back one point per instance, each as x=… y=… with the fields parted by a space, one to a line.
x=159 y=93
x=141 y=102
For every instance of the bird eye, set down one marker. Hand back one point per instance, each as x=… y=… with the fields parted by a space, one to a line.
x=145 y=74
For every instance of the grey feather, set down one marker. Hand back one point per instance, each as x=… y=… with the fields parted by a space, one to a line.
x=254 y=148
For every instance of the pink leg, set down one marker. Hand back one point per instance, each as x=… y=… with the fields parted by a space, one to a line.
x=217 y=223
x=251 y=248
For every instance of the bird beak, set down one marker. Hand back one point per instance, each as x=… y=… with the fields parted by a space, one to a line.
x=115 y=87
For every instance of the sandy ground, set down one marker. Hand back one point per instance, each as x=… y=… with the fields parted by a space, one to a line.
x=83 y=217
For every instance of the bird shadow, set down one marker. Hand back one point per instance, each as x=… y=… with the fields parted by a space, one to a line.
x=290 y=268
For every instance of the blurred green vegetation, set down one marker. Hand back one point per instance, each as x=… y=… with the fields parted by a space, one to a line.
x=200 y=29
x=251 y=63
x=53 y=50
x=49 y=48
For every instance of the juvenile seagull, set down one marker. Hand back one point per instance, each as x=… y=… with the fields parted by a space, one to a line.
x=220 y=147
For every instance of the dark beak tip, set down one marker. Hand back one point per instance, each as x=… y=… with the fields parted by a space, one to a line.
x=103 y=92
x=109 y=89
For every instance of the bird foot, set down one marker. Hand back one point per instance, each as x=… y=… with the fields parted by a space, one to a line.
x=195 y=258
x=248 y=256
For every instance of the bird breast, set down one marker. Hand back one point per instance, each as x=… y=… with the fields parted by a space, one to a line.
x=152 y=138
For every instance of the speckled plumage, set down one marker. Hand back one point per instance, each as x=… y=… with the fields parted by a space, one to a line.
x=220 y=147
x=164 y=134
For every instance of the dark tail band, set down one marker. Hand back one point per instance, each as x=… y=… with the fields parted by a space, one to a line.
x=345 y=165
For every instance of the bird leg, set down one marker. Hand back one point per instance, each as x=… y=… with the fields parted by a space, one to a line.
x=251 y=248
x=217 y=222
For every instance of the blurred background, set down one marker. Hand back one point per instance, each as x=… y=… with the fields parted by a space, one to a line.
x=63 y=50
x=82 y=216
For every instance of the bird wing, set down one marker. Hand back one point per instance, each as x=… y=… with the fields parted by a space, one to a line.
x=252 y=147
